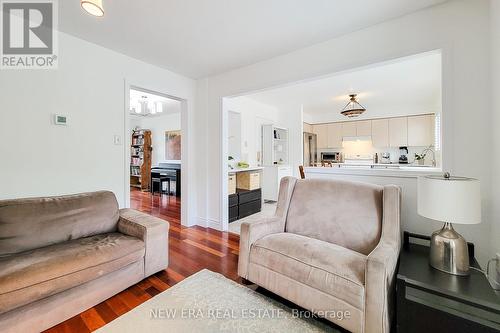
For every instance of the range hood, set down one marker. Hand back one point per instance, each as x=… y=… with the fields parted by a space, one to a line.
x=356 y=138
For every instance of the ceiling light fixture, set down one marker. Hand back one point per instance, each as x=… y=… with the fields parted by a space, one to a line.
x=159 y=107
x=152 y=107
x=93 y=7
x=353 y=108
x=138 y=107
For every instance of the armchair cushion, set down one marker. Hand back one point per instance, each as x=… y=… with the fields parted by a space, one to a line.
x=327 y=267
x=36 y=274
x=345 y=213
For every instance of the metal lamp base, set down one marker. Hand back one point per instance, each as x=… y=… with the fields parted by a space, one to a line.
x=449 y=252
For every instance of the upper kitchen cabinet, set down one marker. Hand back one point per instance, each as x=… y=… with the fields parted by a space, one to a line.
x=349 y=128
x=321 y=131
x=307 y=128
x=380 y=133
x=421 y=131
x=334 y=135
x=398 y=132
x=364 y=128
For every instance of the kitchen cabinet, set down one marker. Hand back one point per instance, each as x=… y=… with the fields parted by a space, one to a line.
x=271 y=180
x=380 y=133
x=398 y=132
x=421 y=131
x=321 y=131
x=364 y=128
x=349 y=128
x=307 y=128
x=334 y=135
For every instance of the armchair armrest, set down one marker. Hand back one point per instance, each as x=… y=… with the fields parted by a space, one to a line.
x=251 y=232
x=381 y=265
x=153 y=231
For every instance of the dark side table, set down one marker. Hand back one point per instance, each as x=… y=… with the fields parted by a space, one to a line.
x=429 y=300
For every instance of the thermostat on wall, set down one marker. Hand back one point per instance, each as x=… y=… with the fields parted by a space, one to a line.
x=60 y=119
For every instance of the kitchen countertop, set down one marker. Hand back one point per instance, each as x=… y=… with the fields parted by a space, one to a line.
x=244 y=169
x=384 y=170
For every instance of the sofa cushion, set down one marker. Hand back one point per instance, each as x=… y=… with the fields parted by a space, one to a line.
x=36 y=274
x=327 y=267
x=345 y=213
x=27 y=224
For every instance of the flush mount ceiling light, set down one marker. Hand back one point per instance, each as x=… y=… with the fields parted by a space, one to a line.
x=93 y=7
x=353 y=108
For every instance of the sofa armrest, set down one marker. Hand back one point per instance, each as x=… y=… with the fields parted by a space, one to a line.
x=153 y=231
x=381 y=265
x=251 y=232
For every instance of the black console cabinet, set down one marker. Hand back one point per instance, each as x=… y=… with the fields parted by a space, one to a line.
x=244 y=203
x=233 y=207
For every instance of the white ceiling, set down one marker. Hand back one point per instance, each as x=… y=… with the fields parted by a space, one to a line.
x=198 y=38
x=170 y=106
x=406 y=86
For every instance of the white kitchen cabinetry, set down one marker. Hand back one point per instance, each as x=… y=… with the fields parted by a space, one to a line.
x=421 y=131
x=335 y=135
x=398 y=132
x=380 y=133
x=349 y=129
x=364 y=128
x=271 y=180
x=321 y=132
x=307 y=128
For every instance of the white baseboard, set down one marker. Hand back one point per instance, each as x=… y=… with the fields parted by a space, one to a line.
x=209 y=223
x=202 y=222
x=214 y=224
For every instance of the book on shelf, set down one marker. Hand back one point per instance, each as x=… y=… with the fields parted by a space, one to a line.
x=136 y=161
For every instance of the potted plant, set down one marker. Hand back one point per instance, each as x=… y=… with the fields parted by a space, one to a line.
x=420 y=158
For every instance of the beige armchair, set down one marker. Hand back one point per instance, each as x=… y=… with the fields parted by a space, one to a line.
x=332 y=247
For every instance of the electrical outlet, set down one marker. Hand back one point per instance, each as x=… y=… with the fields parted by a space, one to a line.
x=118 y=140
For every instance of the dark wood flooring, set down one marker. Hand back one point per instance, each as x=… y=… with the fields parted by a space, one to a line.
x=190 y=249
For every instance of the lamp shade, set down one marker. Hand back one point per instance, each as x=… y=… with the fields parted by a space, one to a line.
x=453 y=199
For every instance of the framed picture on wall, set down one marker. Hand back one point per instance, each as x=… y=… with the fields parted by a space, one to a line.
x=173 y=145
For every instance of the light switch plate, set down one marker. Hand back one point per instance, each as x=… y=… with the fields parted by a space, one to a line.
x=118 y=140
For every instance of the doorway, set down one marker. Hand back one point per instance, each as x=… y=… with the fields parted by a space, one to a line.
x=155 y=152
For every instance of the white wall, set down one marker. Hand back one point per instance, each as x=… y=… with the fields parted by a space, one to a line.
x=158 y=126
x=39 y=159
x=460 y=28
x=253 y=116
x=495 y=122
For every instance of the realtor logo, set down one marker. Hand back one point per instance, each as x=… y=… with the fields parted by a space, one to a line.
x=29 y=34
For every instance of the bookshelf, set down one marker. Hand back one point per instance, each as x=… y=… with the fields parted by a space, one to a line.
x=274 y=145
x=140 y=159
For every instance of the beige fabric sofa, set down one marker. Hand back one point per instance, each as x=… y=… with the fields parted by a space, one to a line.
x=62 y=255
x=332 y=247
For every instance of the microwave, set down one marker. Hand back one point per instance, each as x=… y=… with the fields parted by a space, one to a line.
x=331 y=157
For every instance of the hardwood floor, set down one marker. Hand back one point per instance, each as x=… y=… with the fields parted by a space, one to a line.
x=190 y=250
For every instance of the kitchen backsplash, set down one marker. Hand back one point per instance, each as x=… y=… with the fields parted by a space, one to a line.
x=360 y=148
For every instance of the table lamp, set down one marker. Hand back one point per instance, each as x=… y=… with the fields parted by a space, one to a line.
x=450 y=200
